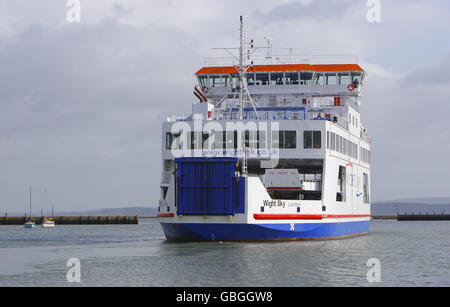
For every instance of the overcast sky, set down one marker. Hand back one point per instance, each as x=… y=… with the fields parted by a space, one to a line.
x=81 y=104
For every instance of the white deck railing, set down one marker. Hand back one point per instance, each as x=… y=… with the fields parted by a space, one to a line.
x=284 y=59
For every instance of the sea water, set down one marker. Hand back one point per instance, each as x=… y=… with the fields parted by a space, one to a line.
x=408 y=254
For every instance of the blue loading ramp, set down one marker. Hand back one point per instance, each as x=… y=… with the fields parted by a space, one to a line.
x=208 y=186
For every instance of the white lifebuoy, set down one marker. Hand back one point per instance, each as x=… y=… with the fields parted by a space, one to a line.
x=351 y=87
x=205 y=89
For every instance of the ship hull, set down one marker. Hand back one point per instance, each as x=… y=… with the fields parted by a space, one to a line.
x=264 y=232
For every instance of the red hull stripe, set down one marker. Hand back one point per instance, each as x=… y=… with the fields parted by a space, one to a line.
x=287 y=216
x=166 y=214
x=347 y=215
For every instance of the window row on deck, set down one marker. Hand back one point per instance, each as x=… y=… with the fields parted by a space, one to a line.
x=344 y=146
x=282 y=78
x=283 y=139
x=340 y=144
x=229 y=140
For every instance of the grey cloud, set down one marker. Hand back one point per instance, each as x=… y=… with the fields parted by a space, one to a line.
x=435 y=74
x=407 y=120
x=81 y=108
x=81 y=104
x=315 y=9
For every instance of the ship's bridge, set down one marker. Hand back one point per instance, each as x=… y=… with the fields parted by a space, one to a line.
x=221 y=82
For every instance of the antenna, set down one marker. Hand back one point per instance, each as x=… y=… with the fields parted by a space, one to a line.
x=269 y=50
x=244 y=94
x=241 y=68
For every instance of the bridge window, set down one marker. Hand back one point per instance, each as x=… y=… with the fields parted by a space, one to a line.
x=331 y=78
x=291 y=78
x=306 y=77
x=203 y=80
x=356 y=78
x=234 y=81
x=211 y=81
x=276 y=78
x=262 y=79
x=344 y=78
x=320 y=79
x=226 y=79
x=215 y=81
x=250 y=78
x=218 y=81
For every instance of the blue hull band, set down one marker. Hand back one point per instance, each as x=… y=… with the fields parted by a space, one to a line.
x=263 y=232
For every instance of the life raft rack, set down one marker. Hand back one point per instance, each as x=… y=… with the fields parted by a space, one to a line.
x=199 y=94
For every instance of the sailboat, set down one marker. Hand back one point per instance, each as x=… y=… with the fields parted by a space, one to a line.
x=47 y=222
x=30 y=223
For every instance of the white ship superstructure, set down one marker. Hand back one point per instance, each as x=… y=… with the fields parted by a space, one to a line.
x=274 y=149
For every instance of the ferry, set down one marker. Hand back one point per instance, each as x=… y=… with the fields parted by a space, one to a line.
x=273 y=150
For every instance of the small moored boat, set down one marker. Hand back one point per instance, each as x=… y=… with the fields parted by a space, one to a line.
x=30 y=223
x=48 y=223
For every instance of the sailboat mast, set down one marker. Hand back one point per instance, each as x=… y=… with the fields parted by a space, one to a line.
x=46 y=200
x=30 y=203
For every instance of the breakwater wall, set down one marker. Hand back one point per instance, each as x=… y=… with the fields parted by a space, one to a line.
x=73 y=220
